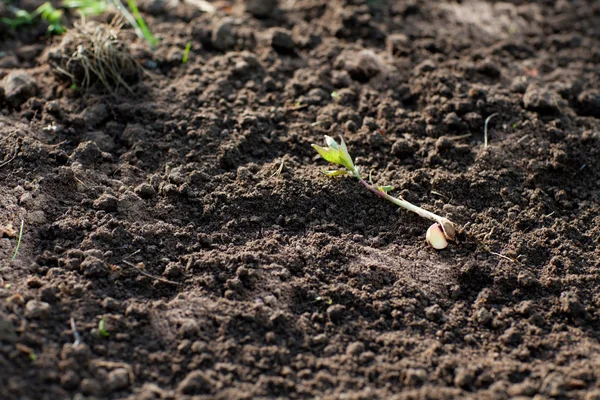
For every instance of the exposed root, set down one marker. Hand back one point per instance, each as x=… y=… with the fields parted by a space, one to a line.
x=93 y=52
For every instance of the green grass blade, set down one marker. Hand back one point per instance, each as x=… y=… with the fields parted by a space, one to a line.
x=186 y=52
x=18 y=241
x=142 y=24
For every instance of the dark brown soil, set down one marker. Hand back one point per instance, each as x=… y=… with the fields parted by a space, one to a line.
x=193 y=219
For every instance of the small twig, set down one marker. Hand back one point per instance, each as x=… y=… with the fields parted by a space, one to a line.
x=116 y=364
x=132 y=254
x=158 y=278
x=278 y=172
x=485 y=130
x=460 y=137
x=18 y=241
x=523 y=138
x=75 y=333
x=502 y=256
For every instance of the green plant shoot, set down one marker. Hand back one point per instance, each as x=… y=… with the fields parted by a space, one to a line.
x=186 y=52
x=337 y=153
x=102 y=328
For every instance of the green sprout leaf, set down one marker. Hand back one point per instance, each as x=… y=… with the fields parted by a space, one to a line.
x=331 y=142
x=385 y=189
x=329 y=154
x=87 y=7
x=186 y=53
x=102 y=328
x=345 y=156
x=337 y=153
x=336 y=173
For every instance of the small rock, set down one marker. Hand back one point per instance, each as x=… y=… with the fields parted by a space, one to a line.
x=593 y=395
x=364 y=65
x=189 y=328
x=18 y=87
x=489 y=68
x=434 y=313
x=484 y=316
x=35 y=309
x=196 y=382
x=110 y=304
x=444 y=144
x=90 y=386
x=519 y=84
x=117 y=379
x=463 y=377
x=145 y=191
x=95 y=115
x=106 y=202
x=173 y=270
x=102 y=140
x=398 y=44
x=571 y=305
x=542 y=100
x=526 y=388
x=415 y=376
x=511 y=337
x=87 y=153
x=554 y=385
x=425 y=66
x=29 y=52
x=223 y=36
x=320 y=339
x=69 y=379
x=355 y=349
x=260 y=8
x=94 y=267
x=50 y=294
x=452 y=120
x=34 y=282
x=589 y=103
x=335 y=313
x=281 y=40
x=7 y=330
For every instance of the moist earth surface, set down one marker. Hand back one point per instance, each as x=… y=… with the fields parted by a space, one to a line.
x=179 y=239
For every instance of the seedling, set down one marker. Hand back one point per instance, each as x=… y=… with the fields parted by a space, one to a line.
x=87 y=7
x=46 y=12
x=337 y=153
x=186 y=52
x=18 y=241
x=102 y=328
x=485 y=130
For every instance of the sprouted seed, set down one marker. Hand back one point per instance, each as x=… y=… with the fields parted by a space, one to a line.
x=186 y=53
x=337 y=153
x=18 y=241
x=436 y=238
x=485 y=130
x=102 y=328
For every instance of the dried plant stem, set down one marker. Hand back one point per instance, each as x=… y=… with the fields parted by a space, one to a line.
x=485 y=130
x=18 y=241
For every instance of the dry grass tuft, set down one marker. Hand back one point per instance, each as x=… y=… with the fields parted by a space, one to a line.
x=93 y=52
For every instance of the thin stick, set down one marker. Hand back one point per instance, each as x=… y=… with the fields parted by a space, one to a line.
x=485 y=135
x=75 y=333
x=18 y=241
x=502 y=256
x=158 y=278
